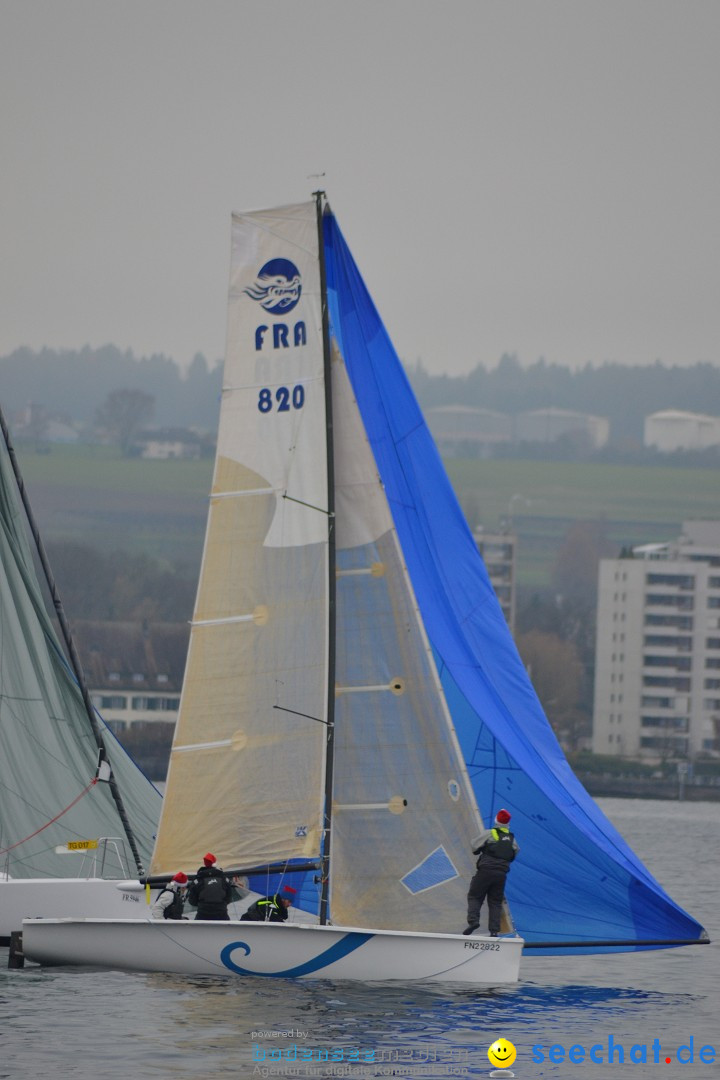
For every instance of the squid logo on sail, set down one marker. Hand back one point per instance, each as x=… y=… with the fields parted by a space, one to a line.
x=277 y=289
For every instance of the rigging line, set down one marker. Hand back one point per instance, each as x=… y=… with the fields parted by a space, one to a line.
x=319 y=509
x=306 y=715
x=22 y=799
x=159 y=929
x=20 y=722
x=57 y=817
x=283 y=872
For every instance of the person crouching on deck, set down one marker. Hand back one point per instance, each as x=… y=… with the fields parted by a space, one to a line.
x=269 y=908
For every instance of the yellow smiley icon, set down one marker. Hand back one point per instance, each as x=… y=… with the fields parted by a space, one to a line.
x=502 y=1053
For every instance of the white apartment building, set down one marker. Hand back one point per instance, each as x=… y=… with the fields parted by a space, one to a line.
x=134 y=670
x=657 y=663
x=498 y=552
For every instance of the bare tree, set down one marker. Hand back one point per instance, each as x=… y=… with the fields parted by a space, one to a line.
x=557 y=675
x=123 y=414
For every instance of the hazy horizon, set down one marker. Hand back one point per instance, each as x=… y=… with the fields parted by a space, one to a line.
x=531 y=179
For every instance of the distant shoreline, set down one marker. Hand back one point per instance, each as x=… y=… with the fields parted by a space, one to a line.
x=632 y=787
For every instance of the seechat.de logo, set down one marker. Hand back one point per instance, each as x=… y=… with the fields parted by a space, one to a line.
x=277 y=287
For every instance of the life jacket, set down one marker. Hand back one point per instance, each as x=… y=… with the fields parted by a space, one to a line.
x=174 y=910
x=500 y=846
x=212 y=889
x=264 y=910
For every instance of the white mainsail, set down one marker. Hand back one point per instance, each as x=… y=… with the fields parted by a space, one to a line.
x=247 y=766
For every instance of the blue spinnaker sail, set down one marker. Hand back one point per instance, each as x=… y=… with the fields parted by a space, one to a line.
x=576 y=879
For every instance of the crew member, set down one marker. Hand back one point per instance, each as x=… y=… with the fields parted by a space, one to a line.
x=496 y=849
x=211 y=891
x=270 y=908
x=171 y=900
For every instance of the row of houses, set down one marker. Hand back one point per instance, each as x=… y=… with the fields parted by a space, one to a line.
x=458 y=428
x=134 y=670
x=163 y=443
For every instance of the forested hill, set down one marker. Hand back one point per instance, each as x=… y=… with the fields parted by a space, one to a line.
x=75 y=383
x=626 y=395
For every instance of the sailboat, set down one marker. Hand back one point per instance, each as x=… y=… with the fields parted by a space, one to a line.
x=77 y=817
x=354 y=706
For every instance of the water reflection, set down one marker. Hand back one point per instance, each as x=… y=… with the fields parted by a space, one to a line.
x=244 y=1018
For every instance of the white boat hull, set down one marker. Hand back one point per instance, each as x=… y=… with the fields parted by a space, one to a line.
x=272 y=950
x=87 y=898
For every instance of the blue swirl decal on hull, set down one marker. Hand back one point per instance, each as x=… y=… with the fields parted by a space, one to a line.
x=341 y=948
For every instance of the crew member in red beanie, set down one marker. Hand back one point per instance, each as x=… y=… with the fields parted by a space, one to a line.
x=171 y=899
x=496 y=849
x=211 y=891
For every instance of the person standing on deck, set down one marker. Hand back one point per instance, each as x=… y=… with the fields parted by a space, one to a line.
x=211 y=891
x=496 y=849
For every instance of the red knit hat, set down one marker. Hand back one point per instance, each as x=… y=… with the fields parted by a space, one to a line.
x=502 y=817
x=210 y=859
x=180 y=877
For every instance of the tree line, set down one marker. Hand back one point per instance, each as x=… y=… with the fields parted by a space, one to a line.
x=75 y=383
x=120 y=586
x=625 y=394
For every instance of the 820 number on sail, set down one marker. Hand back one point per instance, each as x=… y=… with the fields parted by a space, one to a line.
x=284 y=400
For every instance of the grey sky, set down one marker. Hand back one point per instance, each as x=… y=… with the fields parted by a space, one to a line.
x=537 y=177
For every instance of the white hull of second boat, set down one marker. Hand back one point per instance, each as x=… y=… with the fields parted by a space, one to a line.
x=54 y=898
x=87 y=898
x=273 y=950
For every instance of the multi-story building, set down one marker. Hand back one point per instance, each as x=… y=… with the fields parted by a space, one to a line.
x=134 y=671
x=498 y=552
x=657 y=667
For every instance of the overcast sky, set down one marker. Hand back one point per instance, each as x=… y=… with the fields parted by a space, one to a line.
x=534 y=177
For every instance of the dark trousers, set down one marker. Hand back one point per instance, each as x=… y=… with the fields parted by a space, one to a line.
x=488 y=883
x=214 y=916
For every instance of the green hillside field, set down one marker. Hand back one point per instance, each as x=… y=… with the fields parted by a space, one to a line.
x=541 y=499
x=92 y=495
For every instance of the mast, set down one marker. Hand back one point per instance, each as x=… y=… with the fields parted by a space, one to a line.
x=332 y=585
x=70 y=645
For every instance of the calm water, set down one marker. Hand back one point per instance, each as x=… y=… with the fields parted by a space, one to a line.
x=93 y=1024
